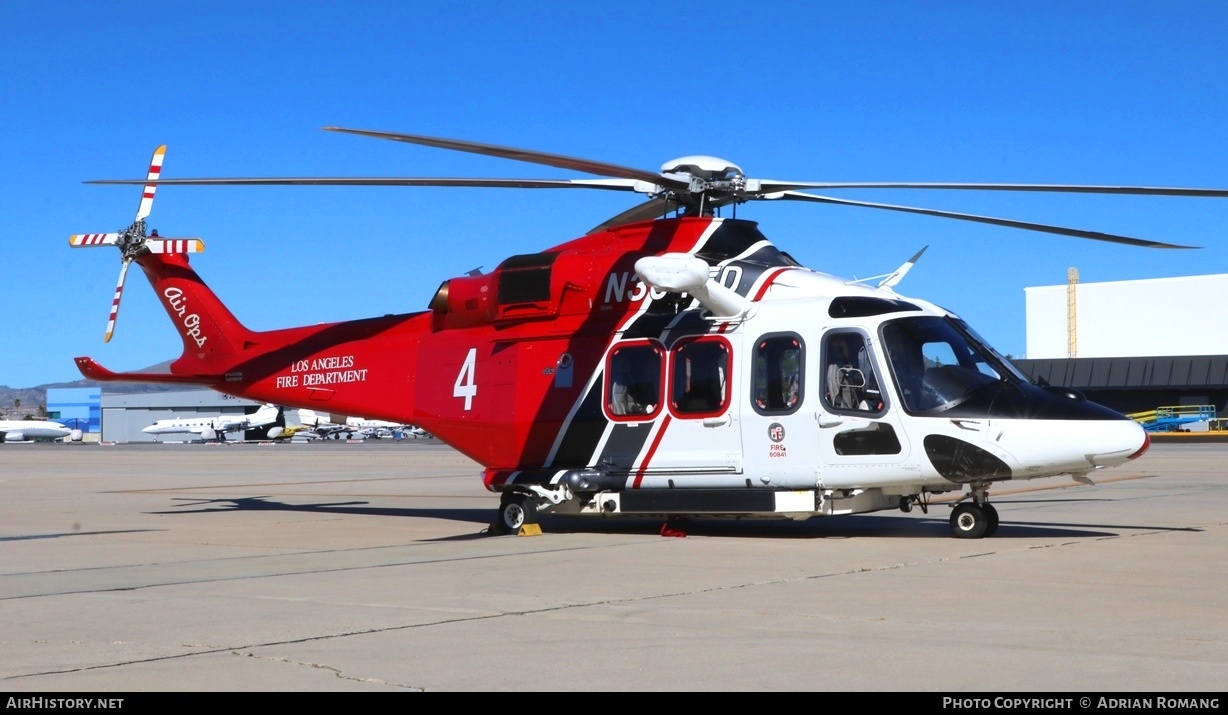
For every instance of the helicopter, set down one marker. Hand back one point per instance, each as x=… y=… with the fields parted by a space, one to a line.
x=670 y=363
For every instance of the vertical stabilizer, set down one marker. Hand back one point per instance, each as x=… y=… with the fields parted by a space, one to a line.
x=213 y=339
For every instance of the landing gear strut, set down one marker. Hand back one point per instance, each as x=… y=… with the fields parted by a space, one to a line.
x=919 y=500
x=975 y=519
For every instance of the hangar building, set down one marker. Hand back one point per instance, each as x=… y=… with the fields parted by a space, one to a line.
x=1132 y=345
x=78 y=408
x=124 y=416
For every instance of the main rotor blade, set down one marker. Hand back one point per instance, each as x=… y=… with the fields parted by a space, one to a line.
x=1060 y=230
x=650 y=209
x=588 y=166
x=768 y=186
x=611 y=184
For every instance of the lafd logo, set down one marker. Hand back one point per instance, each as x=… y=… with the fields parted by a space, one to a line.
x=776 y=432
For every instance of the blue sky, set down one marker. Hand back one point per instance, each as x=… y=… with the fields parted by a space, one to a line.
x=1045 y=92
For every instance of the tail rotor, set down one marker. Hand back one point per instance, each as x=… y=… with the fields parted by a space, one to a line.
x=134 y=241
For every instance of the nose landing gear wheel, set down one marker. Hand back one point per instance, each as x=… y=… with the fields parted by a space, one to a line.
x=515 y=510
x=971 y=521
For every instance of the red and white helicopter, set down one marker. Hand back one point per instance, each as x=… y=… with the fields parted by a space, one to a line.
x=669 y=363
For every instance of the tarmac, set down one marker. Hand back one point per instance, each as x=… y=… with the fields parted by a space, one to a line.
x=365 y=567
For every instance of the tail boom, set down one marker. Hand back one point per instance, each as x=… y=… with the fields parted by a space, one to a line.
x=355 y=367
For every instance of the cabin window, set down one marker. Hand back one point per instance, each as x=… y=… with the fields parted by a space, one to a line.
x=856 y=306
x=850 y=382
x=700 y=374
x=778 y=383
x=633 y=385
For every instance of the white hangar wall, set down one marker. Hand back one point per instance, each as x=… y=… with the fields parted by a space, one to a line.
x=125 y=415
x=1155 y=316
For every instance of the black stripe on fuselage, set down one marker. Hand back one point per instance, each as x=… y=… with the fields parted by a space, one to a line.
x=665 y=318
x=583 y=431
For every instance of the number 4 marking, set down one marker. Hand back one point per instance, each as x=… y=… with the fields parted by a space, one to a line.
x=466 y=384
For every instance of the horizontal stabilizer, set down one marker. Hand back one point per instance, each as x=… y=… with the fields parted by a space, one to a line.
x=93 y=371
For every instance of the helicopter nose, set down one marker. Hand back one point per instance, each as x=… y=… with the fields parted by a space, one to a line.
x=1050 y=447
x=1144 y=448
x=1118 y=442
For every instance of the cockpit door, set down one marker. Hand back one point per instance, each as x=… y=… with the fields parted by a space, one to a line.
x=860 y=427
x=673 y=412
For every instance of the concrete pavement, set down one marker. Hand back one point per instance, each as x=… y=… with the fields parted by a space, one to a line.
x=365 y=567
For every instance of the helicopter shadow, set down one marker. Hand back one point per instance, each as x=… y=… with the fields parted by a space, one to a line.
x=358 y=508
x=61 y=535
x=885 y=525
x=848 y=526
x=843 y=527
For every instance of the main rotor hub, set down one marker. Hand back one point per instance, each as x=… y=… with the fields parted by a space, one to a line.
x=703 y=167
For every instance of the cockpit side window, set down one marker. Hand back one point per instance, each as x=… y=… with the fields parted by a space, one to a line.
x=778 y=385
x=850 y=382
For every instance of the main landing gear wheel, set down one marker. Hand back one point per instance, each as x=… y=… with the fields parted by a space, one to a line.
x=992 y=514
x=515 y=510
x=970 y=520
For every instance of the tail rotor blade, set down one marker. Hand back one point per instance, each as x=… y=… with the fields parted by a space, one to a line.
x=155 y=170
x=119 y=292
x=79 y=240
x=175 y=245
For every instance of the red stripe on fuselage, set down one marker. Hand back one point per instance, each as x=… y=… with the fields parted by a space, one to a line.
x=652 y=450
x=767 y=283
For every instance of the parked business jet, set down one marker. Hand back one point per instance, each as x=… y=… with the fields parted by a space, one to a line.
x=211 y=428
x=30 y=430
x=332 y=426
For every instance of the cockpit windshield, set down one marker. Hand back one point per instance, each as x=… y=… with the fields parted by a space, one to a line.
x=938 y=362
x=999 y=359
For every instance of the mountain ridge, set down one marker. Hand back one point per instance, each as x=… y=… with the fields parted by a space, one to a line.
x=21 y=402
